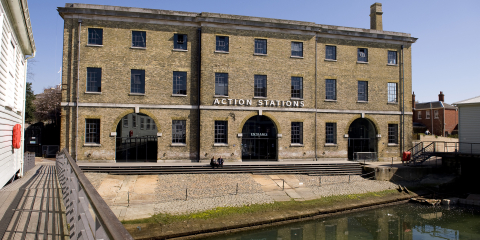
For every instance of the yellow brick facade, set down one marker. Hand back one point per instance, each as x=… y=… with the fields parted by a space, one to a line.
x=159 y=59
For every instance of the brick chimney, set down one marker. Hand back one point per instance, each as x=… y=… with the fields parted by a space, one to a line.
x=376 y=17
x=413 y=100
x=441 y=97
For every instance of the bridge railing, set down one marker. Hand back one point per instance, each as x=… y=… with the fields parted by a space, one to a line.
x=81 y=200
x=464 y=148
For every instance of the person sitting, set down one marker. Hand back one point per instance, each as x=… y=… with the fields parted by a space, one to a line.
x=220 y=162
x=212 y=162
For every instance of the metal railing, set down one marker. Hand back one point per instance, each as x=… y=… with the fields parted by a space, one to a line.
x=28 y=162
x=365 y=156
x=79 y=197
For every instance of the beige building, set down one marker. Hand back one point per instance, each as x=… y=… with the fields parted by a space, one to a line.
x=157 y=85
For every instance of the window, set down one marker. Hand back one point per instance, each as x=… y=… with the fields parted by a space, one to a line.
x=221 y=131
x=180 y=41
x=142 y=123
x=435 y=114
x=297 y=87
x=138 y=81
x=148 y=123
x=260 y=88
x=392 y=57
x=94 y=79
x=139 y=39
x=392 y=92
x=260 y=46
x=331 y=52
x=427 y=114
x=297 y=133
x=153 y=125
x=125 y=121
x=331 y=133
x=92 y=131
x=179 y=131
x=134 y=121
x=393 y=133
x=221 y=84
x=330 y=89
x=222 y=44
x=419 y=115
x=297 y=49
x=95 y=36
x=362 y=55
x=180 y=83
x=362 y=91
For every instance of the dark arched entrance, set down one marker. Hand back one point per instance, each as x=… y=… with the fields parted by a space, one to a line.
x=362 y=138
x=136 y=139
x=259 y=139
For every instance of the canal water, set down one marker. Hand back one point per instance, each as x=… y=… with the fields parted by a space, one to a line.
x=399 y=222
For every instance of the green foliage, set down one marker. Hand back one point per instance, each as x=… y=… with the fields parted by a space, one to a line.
x=29 y=106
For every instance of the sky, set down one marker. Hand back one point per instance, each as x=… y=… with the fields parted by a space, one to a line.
x=446 y=56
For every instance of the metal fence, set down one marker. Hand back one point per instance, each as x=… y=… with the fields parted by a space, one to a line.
x=365 y=156
x=28 y=162
x=81 y=199
x=50 y=151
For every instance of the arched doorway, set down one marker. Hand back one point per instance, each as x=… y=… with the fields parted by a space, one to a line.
x=136 y=139
x=259 y=139
x=362 y=138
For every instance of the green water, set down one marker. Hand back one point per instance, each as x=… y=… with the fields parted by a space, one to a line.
x=400 y=222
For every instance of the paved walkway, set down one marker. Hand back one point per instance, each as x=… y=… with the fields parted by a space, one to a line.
x=32 y=207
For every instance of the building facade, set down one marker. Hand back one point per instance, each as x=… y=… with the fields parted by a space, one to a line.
x=438 y=117
x=244 y=88
x=468 y=130
x=17 y=46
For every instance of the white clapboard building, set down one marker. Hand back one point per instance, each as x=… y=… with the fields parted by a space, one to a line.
x=469 y=125
x=16 y=47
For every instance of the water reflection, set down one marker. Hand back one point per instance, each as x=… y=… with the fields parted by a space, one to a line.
x=402 y=222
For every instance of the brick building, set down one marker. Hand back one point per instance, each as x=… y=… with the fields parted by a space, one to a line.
x=440 y=118
x=244 y=88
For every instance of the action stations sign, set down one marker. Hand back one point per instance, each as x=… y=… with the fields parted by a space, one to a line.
x=259 y=103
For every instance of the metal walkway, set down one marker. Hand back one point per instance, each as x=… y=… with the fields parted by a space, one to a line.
x=32 y=207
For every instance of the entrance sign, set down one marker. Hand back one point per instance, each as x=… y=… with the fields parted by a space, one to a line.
x=259 y=134
x=259 y=103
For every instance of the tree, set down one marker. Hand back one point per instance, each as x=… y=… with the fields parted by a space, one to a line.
x=48 y=105
x=29 y=106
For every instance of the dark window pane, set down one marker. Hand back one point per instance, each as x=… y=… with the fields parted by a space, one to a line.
x=331 y=133
x=330 y=89
x=362 y=55
x=221 y=84
x=95 y=36
x=148 y=123
x=142 y=123
x=139 y=39
x=331 y=52
x=260 y=88
x=125 y=121
x=94 y=79
x=180 y=83
x=222 y=43
x=180 y=41
x=392 y=57
x=261 y=46
x=362 y=91
x=297 y=49
x=297 y=132
x=137 y=81
x=392 y=92
x=297 y=87
x=92 y=131
x=393 y=133
x=221 y=131
x=179 y=131
x=134 y=121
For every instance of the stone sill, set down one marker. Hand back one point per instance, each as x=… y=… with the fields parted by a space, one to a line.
x=221 y=52
x=362 y=101
x=136 y=94
x=93 y=45
x=330 y=100
x=220 y=144
x=141 y=48
x=296 y=57
x=97 y=93
x=394 y=65
x=259 y=54
x=330 y=145
x=259 y=97
x=392 y=144
x=92 y=145
x=220 y=96
x=393 y=103
x=296 y=99
x=296 y=145
x=180 y=50
x=178 y=95
x=178 y=145
x=330 y=60
x=362 y=62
